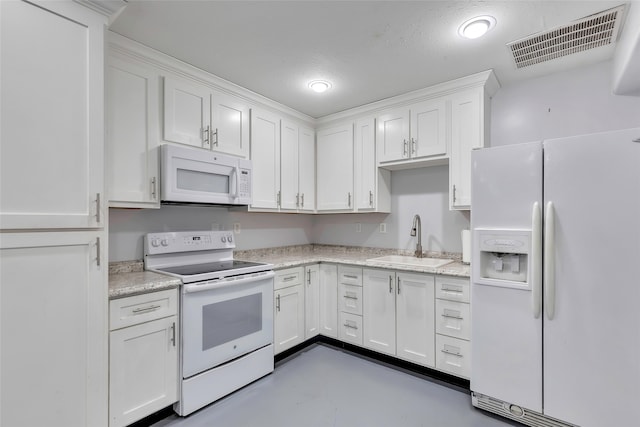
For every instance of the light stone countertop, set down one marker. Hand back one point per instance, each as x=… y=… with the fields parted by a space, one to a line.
x=129 y=278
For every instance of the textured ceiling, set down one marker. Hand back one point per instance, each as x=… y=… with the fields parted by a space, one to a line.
x=369 y=50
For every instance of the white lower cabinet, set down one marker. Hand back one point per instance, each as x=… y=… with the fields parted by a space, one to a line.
x=399 y=315
x=350 y=304
x=328 y=300
x=311 y=301
x=143 y=355
x=453 y=326
x=350 y=328
x=288 y=314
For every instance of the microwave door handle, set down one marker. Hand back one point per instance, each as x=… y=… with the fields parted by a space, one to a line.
x=236 y=173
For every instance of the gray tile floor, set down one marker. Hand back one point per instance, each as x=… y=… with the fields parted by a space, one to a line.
x=325 y=386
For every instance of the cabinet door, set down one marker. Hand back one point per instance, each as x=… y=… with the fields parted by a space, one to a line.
x=429 y=128
x=53 y=301
x=312 y=301
x=328 y=300
x=392 y=135
x=365 y=164
x=265 y=156
x=288 y=318
x=467 y=133
x=132 y=134
x=143 y=376
x=289 y=196
x=335 y=168
x=52 y=116
x=307 y=169
x=230 y=120
x=187 y=113
x=415 y=318
x=379 y=310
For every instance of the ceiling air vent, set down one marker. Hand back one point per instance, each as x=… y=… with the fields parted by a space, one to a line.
x=587 y=33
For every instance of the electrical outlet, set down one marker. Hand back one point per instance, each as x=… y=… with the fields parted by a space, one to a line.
x=358 y=227
x=383 y=227
x=236 y=227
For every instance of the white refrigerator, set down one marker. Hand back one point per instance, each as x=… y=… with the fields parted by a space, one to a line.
x=556 y=280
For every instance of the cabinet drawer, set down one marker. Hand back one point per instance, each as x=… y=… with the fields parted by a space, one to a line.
x=452 y=318
x=453 y=356
x=288 y=277
x=350 y=328
x=350 y=275
x=350 y=299
x=452 y=288
x=137 y=309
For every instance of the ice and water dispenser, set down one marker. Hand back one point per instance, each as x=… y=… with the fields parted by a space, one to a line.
x=503 y=257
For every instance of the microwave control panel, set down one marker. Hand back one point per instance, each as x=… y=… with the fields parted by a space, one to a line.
x=244 y=183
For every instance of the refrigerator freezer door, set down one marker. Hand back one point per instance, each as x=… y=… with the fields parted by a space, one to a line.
x=592 y=344
x=506 y=360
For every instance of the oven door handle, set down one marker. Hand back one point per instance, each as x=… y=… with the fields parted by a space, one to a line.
x=223 y=283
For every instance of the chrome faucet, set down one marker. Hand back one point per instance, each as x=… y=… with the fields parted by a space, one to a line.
x=416 y=230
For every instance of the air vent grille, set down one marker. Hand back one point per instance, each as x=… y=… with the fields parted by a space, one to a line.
x=587 y=33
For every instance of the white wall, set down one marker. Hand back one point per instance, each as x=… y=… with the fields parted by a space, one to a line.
x=127 y=227
x=421 y=191
x=563 y=104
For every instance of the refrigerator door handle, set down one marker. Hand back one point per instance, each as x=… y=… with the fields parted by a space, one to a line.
x=536 y=264
x=549 y=261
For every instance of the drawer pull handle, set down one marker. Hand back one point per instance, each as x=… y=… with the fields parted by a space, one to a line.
x=452 y=353
x=173 y=334
x=452 y=317
x=146 y=309
x=347 y=325
x=278 y=302
x=452 y=289
x=350 y=296
x=288 y=279
x=348 y=276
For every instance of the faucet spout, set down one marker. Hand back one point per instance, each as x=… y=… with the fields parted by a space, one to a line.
x=416 y=230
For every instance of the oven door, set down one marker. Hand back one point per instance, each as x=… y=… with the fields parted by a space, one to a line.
x=224 y=319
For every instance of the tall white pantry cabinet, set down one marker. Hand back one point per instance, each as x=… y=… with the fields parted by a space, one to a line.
x=53 y=255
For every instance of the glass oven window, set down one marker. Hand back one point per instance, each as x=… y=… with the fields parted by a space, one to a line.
x=202 y=181
x=229 y=320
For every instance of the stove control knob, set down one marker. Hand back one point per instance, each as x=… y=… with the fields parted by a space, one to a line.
x=230 y=238
x=223 y=239
x=165 y=242
x=155 y=243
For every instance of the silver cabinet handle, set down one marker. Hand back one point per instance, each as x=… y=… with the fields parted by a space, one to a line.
x=302 y=198
x=278 y=198
x=288 y=278
x=370 y=198
x=398 y=286
x=390 y=284
x=216 y=134
x=206 y=136
x=454 y=193
x=98 y=208
x=349 y=202
x=173 y=334
x=98 y=251
x=145 y=309
x=350 y=297
x=404 y=150
x=348 y=276
x=297 y=200
x=636 y=140
x=347 y=325
x=452 y=353
x=452 y=317
x=308 y=277
x=153 y=188
x=413 y=146
x=278 y=302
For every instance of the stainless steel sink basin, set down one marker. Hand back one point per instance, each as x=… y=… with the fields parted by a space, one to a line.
x=412 y=261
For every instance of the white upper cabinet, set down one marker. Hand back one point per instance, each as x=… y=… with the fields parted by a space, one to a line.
x=289 y=194
x=196 y=115
x=335 y=169
x=52 y=121
x=132 y=134
x=307 y=169
x=372 y=184
x=413 y=133
x=468 y=129
x=265 y=152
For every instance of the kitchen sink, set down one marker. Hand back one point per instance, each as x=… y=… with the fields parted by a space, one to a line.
x=413 y=261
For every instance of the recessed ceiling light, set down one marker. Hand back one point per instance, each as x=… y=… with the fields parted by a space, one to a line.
x=319 y=86
x=476 y=27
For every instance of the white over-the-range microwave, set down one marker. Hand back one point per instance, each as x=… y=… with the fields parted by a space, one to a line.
x=198 y=176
